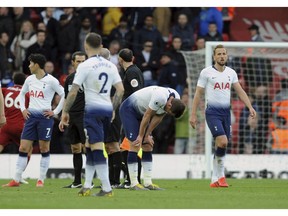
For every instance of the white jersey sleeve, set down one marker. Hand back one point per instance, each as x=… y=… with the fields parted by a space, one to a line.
x=22 y=93
x=60 y=91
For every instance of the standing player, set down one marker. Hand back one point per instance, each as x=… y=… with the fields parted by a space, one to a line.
x=140 y=113
x=38 y=117
x=133 y=80
x=216 y=81
x=2 y=113
x=75 y=131
x=11 y=132
x=97 y=75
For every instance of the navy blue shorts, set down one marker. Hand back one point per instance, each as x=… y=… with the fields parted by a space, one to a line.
x=96 y=126
x=130 y=119
x=37 y=128
x=219 y=125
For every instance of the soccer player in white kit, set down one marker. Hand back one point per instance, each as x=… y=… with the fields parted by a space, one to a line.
x=140 y=113
x=216 y=82
x=38 y=117
x=97 y=75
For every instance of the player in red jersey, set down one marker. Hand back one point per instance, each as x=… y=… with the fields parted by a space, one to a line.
x=11 y=131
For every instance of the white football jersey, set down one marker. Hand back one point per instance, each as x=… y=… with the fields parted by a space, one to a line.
x=41 y=92
x=154 y=97
x=217 y=88
x=97 y=75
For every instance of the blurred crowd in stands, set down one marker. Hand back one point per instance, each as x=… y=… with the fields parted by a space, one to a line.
x=155 y=34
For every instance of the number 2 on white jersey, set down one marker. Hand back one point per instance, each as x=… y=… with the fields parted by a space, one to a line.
x=104 y=76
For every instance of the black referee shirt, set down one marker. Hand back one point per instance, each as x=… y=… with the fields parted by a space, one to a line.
x=132 y=73
x=79 y=103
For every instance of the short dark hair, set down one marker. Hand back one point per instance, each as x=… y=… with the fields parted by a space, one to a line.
x=18 y=78
x=176 y=36
x=79 y=53
x=220 y=46
x=40 y=31
x=37 y=59
x=94 y=40
x=126 y=54
x=178 y=107
x=168 y=54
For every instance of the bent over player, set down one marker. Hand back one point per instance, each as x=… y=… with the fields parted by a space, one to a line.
x=140 y=113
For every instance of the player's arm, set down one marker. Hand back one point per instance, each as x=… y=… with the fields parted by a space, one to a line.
x=71 y=98
x=68 y=103
x=155 y=121
x=22 y=100
x=148 y=115
x=66 y=91
x=60 y=91
x=2 y=114
x=133 y=80
x=196 y=100
x=118 y=94
x=243 y=97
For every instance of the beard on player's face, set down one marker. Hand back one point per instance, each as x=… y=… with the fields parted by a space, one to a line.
x=221 y=62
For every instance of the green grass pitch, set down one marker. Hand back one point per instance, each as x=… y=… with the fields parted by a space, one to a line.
x=179 y=194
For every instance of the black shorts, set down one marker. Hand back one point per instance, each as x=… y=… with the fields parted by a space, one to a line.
x=112 y=133
x=75 y=131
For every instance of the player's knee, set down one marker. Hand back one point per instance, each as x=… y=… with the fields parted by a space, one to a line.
x=23 y=148
x=1 y=148
x=147 y=147
x=134 y=148
x=44 y=146
x=222 y=141
x=114 y=147
x=77 y=148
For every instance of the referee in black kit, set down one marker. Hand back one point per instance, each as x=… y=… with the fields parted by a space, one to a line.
x=133 y=80
x=75 y=131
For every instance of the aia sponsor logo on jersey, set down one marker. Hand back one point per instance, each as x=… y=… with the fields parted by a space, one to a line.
x=36 y=94
x=221 y=86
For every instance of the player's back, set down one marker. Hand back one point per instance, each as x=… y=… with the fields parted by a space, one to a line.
x=97 y=75
x=153 y=96
x=12 y=104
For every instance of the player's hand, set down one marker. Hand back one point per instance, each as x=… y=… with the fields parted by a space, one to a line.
x=193 y=121
x=26 y=114
x=61 y=126
x=2 y=121
x=138 y=141
x=48 y=113
x=113 y=116
x=148 y=140
x=64 y=120
x=253 y=113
